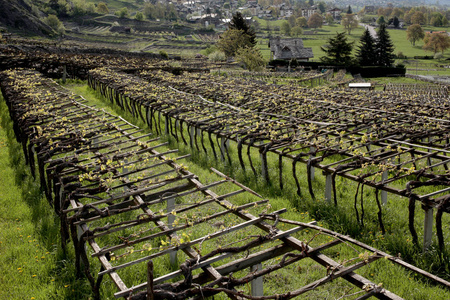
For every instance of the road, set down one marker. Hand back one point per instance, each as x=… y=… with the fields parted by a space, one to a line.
x=372 y=31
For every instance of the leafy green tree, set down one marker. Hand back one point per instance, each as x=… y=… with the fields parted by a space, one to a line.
x=122 y=13
x=366 y=54
x=350 y=22
x=329 y=19
x=381 y=20
x=414 y=33
x=139 y=16
x=301 y=21
x=384 y=48
x=296 y=31
x=418 y=18
x=233 y=39
x=436 y=42
x=286 y=28
x=55 y=23
x=338 y=50
x=322 y=7
x=251 y=58
x=102 y=8
x=315 y=21
x=436 y=21
x=238 y=22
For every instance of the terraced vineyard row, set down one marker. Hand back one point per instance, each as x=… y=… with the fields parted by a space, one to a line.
x=376 y=139
x=134 y=205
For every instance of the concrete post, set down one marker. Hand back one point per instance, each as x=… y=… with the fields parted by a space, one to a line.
x=257 y=286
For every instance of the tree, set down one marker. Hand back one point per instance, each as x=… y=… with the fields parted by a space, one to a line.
x=338 y=50
x=122 y=13
x=436 y=42
x=296 y=31
x=55 y=23
x=139 y=16
x=384 y=48
x=286 y=28
x=381 y=20
x=366 y=54
x=237 y=22
x=311 y=2
x=349 y=10
x=436 y=21
x=418 y=18
x=102 y=8
x=251 y=58
x=444 y=21
x=301 y=21
x=395 y=21
x=315 y=21
x=233 y=39
x=350 y=22
x=329 y=19
x=322 y=7
x=414 y=33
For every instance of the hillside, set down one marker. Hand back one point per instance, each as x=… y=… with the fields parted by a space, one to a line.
x=20 y=15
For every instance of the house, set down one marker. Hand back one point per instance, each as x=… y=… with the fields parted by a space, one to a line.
x=285 y=11
x=287 y=49
x=308 y=12
x=335 y=12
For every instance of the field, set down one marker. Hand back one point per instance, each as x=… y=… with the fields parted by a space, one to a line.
x=275 y=141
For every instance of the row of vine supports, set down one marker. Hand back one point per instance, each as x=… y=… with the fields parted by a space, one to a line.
x=81 y=150
x=156 y=114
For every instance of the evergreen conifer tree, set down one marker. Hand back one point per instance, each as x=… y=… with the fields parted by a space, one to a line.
x=349 y=10
x=384 y=48
x=238 y=22
x=338 y=50
x=366 y=54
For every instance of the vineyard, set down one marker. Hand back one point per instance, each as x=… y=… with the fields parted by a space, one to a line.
x=377 y=147
x=130 y=207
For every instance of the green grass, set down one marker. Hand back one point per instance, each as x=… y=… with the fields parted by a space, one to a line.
x=322 y=35
x=33 y=263
x=114 y=5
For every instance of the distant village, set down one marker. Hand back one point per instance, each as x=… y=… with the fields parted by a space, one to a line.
x=218 y=12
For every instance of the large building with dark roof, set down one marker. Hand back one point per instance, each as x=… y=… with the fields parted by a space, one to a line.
x=287 y=49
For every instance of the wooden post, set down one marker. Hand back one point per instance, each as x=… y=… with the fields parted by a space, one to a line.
x=264 y=169
x=191 y=133
x=384 y=177
x=170 y=220
x=166 y=125
x=257 y=283
x=223 y=148
x=312 y=167
x=150 y=280
x=64 y=74
x=428 y=227
x=328 y=185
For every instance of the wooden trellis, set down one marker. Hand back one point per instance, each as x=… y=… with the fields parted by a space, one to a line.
x=114 y=191
x=383 y=141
